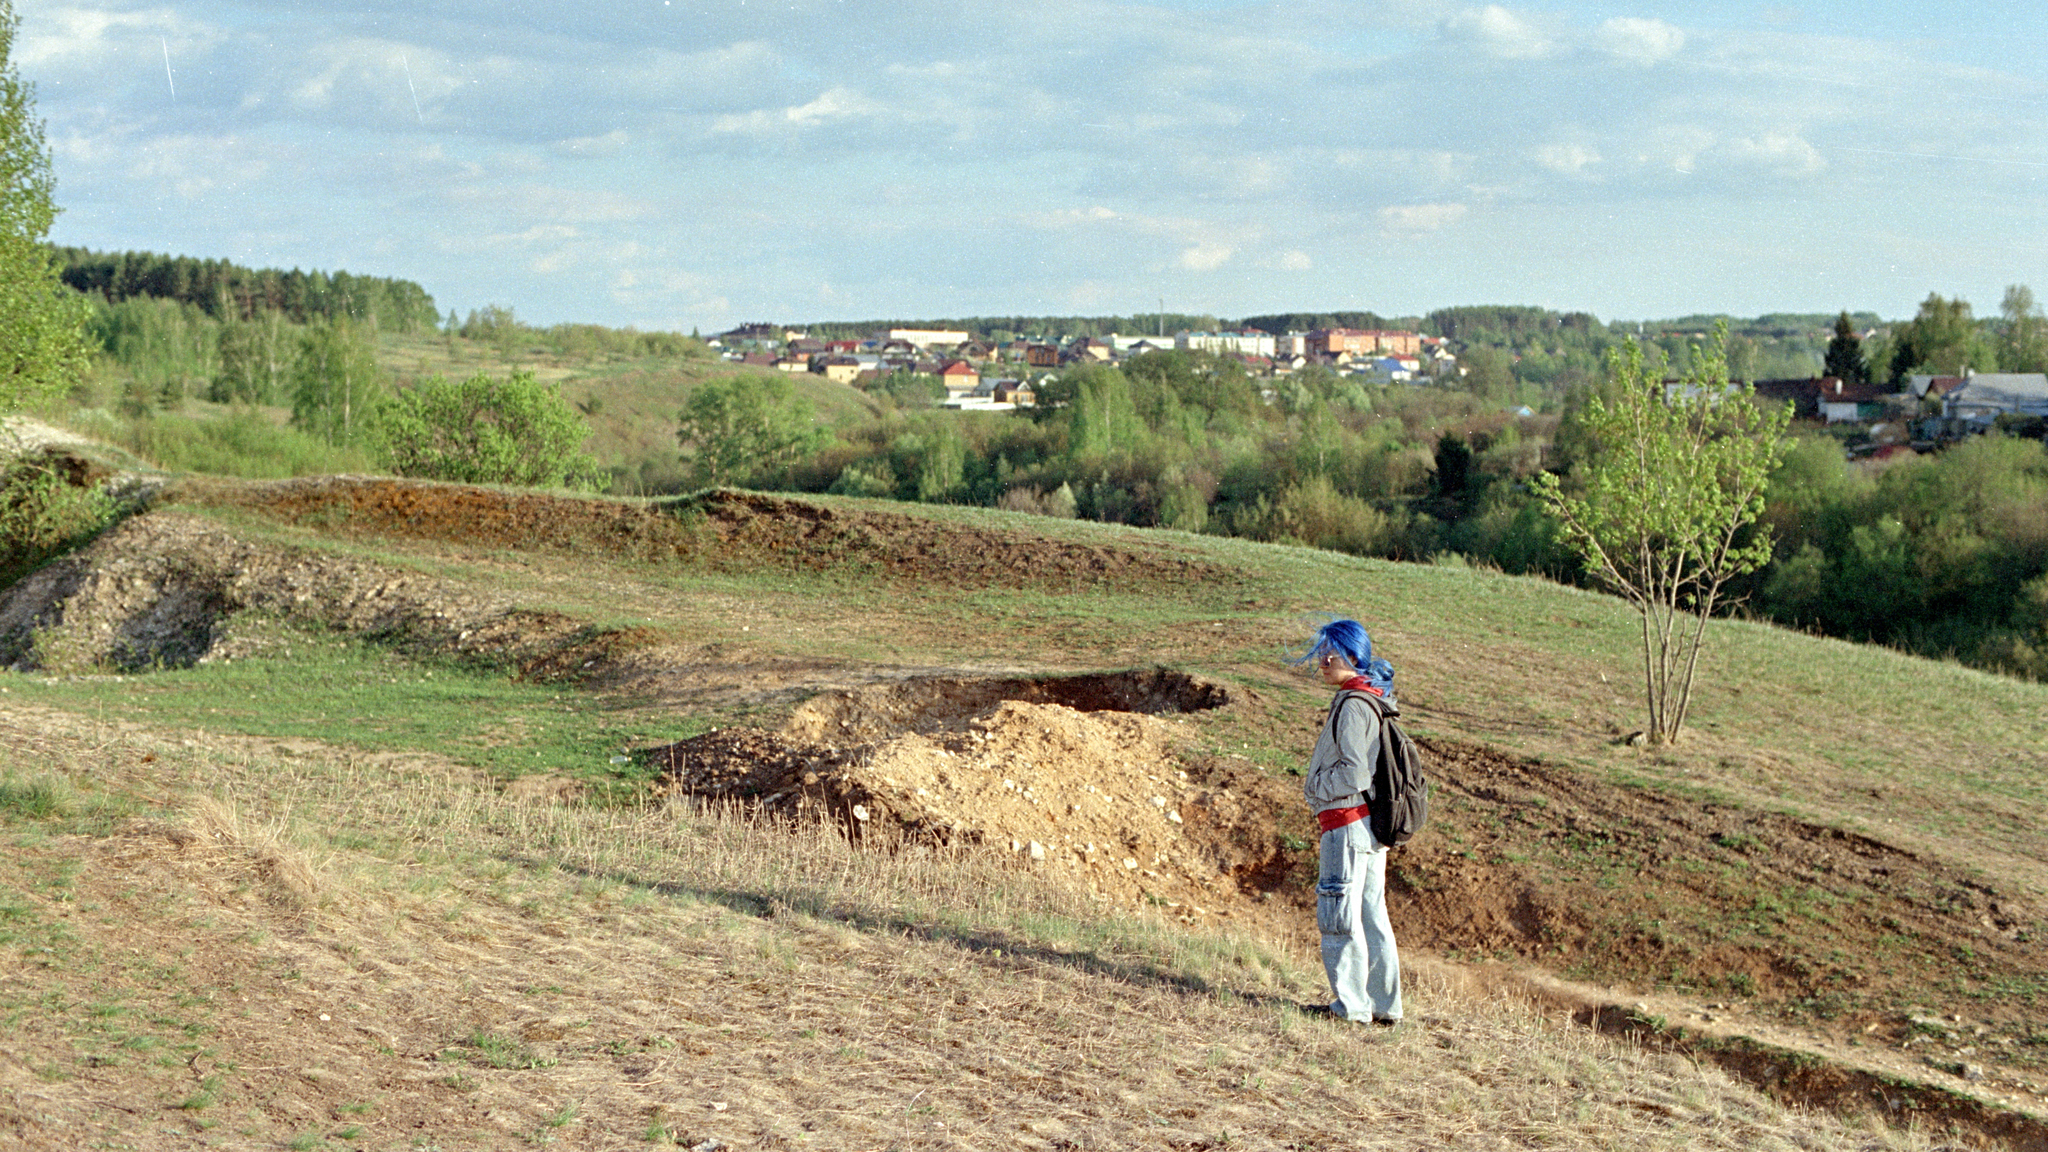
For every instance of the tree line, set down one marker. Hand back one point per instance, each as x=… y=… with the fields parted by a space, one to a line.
x=227 y=291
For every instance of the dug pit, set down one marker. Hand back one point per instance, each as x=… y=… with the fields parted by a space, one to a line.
x=1089 y=778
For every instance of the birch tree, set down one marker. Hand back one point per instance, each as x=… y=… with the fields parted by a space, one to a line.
x=42 y=321
x=1659 y=513
x=336 y=383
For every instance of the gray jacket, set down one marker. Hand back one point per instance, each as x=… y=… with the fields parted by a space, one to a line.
x=1340 y=769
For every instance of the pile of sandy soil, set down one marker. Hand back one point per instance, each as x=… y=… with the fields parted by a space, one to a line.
x=1110 y=801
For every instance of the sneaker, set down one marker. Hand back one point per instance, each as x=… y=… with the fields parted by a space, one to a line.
x=1386 y=1021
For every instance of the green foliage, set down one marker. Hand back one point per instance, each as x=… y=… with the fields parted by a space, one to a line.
x=1105 y=419
x=256 y=357
x=745 y=423
x=243 y=443
x=1489 y=373
x=1942 y=340
x=486 y=430
x=1314 y=513
x=42 y=347
x=1944 y=555
x=910 y=389
x=1660 y=511
x=170 y=349
x=42 y=514
x=39 y=799
x=2023 y=333
x=337 y=385
x=227 y=291
x=1845 y=354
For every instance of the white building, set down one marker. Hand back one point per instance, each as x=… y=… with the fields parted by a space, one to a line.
x=1250 y=342
x=924 y=337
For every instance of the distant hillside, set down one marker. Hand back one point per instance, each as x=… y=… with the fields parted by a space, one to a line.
x=229 y=291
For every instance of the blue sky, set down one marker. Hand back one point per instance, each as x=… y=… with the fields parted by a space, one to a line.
x=677 y=164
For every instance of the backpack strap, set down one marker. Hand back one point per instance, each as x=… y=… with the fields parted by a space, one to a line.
x=1381 y=706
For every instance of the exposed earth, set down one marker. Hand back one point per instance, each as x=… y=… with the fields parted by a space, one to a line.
x=1097 y=780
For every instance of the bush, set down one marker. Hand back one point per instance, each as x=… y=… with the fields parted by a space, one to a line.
x=44 y=514
x=484 y=430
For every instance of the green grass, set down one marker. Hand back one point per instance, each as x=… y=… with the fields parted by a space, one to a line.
x=38 y=799
x=252 y=443
x=358 y=695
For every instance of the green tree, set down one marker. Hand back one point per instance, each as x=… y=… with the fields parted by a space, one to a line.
x=1488 y=373
x=746 y=422
x=1941 y=340
x=255 y=357
x=1105 y=417
x=42 y=340
x=1845 y=354
x=336 y=383
x=487 y=430
x=1661 y=509
x=2023 y=338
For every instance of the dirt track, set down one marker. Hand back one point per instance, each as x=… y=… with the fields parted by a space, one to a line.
x=1096 y=783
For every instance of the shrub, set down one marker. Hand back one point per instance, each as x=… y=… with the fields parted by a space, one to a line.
x=43 y=513
x=485 y=430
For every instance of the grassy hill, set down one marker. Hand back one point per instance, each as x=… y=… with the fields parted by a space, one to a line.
x=355 y=813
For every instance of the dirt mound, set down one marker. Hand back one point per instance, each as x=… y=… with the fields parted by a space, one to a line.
x=458 y=514
x=1070 y=774
x=1631 y=886
x=718 y=529
x=163 y=589
x=812 y=536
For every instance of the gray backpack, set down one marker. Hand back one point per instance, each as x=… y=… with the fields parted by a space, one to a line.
x=1400 y=785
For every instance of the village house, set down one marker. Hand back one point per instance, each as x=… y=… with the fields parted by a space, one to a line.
x=959 y=377
x=1091 y=349
x=1840 y=401
x=1013 y=392
x=841 y=369
x=1976 y=404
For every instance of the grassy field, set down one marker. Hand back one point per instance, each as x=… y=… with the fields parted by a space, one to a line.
x=336 y=893
x=632 y=404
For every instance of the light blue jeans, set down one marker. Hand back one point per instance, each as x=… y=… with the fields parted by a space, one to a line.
x=1358 y=939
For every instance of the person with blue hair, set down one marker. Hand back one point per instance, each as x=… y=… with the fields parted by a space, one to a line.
x=1351 y=910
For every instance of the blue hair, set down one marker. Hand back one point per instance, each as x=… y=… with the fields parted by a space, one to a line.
x=1348 y=638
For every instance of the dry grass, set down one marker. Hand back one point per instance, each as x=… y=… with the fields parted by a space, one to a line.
x=244 y=944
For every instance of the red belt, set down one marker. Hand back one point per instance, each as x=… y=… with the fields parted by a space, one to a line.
x=1334 y=818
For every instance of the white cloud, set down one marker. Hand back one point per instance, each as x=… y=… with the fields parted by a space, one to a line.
x=1066 y=218
x=833 y=104
x=1420 y=218
x=1639 y=41
x=67 y=36
x=609 y=144
x=1295 y=260
x=1206 y=256
x=1567 y=159
x=1782 y=153
x=559 y=260
x=1500 y=33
